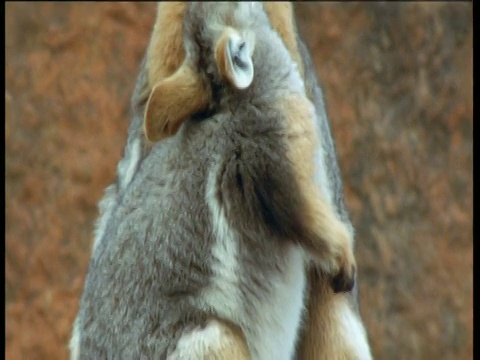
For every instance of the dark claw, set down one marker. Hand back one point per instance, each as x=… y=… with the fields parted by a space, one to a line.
x=342 y=282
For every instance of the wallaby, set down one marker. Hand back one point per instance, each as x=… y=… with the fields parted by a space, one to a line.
x=209 y=236
x=163 y=58
x=190 y=86
x=333 y=329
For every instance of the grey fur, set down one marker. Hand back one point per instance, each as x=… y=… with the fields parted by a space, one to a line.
x=138 y=298
x=155 y=223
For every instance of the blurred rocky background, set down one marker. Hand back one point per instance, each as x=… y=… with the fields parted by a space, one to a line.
x=398 y=81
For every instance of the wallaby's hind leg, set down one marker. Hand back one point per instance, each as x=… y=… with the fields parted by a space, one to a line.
x=333 y=329
x=216 y=341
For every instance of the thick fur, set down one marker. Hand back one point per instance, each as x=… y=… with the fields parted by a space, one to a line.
x=209 y=200
x=320 y=320
x=321 y=232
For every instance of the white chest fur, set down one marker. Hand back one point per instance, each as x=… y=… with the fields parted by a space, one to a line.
x=278 y=318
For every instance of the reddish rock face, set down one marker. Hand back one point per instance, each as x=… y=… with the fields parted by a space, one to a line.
x=398 y=87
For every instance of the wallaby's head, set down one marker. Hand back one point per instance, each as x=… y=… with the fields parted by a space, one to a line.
x=221 y=37
x=219 y=41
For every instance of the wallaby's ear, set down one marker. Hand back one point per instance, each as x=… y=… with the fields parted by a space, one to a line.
x=172 y=101
x=233 y=54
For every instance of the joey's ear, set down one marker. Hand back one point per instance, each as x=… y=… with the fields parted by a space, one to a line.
x=233 y=54
x=172 y=101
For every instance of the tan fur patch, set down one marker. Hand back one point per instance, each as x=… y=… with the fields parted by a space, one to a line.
x=218 y=340
x=166 y=52
x=172 y=101
x=334 y=244
x=234 y=345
